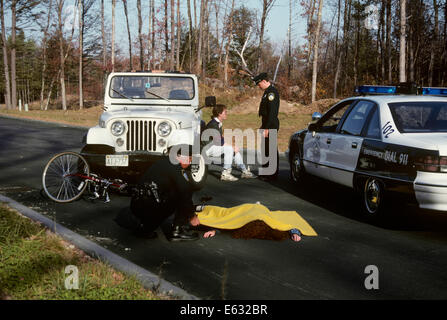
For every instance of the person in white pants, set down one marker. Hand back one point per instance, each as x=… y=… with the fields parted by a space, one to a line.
x=220 y=147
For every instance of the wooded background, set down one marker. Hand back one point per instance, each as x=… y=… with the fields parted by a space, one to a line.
x=49 y=57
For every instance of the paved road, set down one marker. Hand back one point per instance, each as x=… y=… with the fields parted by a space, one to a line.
x=411 y=258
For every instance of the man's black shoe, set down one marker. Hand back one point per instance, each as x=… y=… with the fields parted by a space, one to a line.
x=182 y=233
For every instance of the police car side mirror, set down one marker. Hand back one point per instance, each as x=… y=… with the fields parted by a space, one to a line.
x=210 y=101
x=316 y=116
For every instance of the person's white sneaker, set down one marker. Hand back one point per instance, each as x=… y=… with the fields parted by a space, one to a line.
x=247 y=173
x=227 y=176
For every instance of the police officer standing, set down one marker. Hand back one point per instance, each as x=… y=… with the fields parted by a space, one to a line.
x=268 y=110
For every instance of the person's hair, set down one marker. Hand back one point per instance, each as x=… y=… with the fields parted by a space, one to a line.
x=258 y=229
x=218 y=109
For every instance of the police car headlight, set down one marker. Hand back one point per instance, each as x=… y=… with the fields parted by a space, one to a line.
x=164 y=129
x=118 y=128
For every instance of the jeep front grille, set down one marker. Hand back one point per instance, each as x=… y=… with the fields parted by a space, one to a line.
x=141 y=135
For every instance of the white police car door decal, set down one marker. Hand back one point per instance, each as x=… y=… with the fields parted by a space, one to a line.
x=345 y=146
x=315 y=152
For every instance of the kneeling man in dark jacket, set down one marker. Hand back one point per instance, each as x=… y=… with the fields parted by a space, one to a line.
x=164 y=190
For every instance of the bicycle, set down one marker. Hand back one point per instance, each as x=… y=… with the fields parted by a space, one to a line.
x=67 y=175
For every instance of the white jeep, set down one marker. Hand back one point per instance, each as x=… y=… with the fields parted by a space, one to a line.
x=144 y=114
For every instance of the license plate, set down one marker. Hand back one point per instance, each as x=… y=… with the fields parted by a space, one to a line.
x=114 y=160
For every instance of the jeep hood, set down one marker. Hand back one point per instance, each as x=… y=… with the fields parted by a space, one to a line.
x=181 y=117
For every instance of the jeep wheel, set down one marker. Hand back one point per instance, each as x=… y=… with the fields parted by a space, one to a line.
x=198 y=174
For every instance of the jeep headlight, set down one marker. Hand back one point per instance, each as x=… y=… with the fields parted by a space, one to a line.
x=164 y=129
x=118 y=128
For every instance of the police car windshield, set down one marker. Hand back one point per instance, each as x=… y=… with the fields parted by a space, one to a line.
x=412 y=117
x=152 y=87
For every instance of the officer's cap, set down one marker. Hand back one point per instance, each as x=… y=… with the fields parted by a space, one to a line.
x=260 y=77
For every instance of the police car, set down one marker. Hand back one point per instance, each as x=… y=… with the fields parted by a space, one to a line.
x=378 y=143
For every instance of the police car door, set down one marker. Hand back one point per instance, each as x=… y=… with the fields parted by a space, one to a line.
x=316 y=146
x=346 y=143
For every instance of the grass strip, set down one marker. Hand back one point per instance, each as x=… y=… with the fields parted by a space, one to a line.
x=33 y=262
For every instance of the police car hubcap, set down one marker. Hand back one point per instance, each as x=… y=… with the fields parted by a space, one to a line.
x=372 y=196
x=296 y=168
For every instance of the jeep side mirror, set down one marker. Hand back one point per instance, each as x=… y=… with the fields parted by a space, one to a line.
x=210 y=101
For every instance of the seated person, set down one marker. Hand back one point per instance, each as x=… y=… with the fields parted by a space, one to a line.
x=220 y=147
x=253 y=221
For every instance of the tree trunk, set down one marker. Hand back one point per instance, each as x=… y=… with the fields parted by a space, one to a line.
x=266 y=5
x=140 y=35
x=227 y=47
x=179 y=32
x=403 y=18
x=190 y=40
x=13 y=55
x=434 y=46
x=128 y=35
x=172 y=53
x=104 y=46
x=113 y=34
x=388 y=41
x=81 y=52
x=61 y=55
x=5 y=59
x=199 y=46
x=337 y=56
x=315 y=53
x=166 y=32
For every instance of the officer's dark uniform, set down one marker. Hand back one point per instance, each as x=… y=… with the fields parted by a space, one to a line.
x=268 y=110
x=174 y=194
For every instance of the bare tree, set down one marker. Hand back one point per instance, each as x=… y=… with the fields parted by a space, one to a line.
x=128 y=34
x=229 y=41
x=104 y=43
x=434 y=48
x=179 y=32
x=140 y=34
x=199 y=45
x=266 y=6
x=315 y=52
x=5 y=59
x=13 y=54
x=113 y=34
x=403 y=22
x=190 y=40
x=81 y=51
x=60 y=6
x=388 y=40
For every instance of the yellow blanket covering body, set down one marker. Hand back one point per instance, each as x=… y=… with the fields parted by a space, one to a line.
x=237 y=217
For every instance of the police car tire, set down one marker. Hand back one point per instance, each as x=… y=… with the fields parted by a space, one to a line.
x=373 y=198
x=198 y=181
x=297 y=172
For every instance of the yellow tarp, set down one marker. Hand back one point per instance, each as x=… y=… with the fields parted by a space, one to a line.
x=237 y=217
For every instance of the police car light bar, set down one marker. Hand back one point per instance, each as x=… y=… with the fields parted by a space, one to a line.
x=434 y=91
x=375 y=89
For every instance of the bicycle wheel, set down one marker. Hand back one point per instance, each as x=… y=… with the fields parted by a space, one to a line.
x=63 y=178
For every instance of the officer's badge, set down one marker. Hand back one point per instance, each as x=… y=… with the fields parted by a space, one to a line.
x=271 y=96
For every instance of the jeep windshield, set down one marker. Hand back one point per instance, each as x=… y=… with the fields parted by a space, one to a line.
x=412 y=117
x=152 y=87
